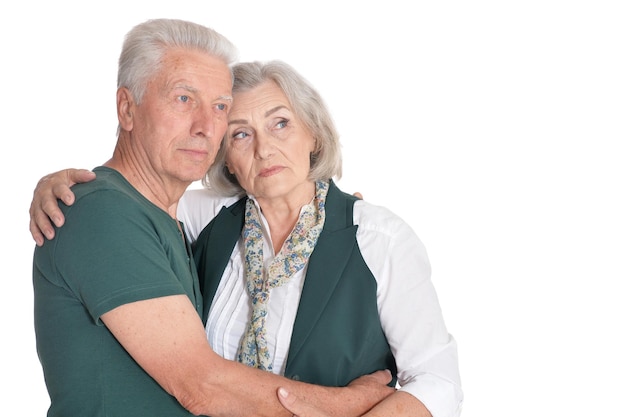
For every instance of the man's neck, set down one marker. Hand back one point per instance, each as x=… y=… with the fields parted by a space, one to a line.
x=160 y=192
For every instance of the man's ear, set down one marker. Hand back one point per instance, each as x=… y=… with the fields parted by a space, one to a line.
x=125 y=108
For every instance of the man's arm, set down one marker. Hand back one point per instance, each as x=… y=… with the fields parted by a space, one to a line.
x=166 y=337
x=398 y=404
x=44 y=209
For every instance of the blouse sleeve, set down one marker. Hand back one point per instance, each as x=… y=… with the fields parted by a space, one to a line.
x=425 y=353
x=197 y=208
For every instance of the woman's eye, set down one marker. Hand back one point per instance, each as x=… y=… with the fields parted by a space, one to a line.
x=240 y=135
x=281 y=124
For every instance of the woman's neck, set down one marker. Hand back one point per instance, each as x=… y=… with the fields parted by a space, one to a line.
x=282 y=214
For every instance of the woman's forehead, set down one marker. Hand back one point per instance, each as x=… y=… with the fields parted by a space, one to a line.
x=260 y=99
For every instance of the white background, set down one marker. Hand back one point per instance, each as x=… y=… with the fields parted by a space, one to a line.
x=502 y=122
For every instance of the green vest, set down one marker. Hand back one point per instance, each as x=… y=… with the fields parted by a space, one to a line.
x=337 y=335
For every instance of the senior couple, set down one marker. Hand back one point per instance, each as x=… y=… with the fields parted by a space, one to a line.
x=268 y=293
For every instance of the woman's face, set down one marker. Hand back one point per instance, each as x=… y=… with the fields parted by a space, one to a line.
x=267 y=147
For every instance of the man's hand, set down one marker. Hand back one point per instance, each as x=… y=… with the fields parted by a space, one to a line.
x=361 y=395
x=296 y=406
x=44 y=209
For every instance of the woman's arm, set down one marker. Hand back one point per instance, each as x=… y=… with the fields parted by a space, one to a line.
x=195 y=209
x=410 y=314
x=44 y=209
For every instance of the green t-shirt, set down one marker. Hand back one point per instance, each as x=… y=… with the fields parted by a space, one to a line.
x=115 y=248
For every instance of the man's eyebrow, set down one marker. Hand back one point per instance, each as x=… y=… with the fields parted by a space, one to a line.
x=184 y=87
x=195 y=90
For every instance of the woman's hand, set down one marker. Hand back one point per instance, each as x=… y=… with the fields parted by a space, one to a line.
x=44 y=209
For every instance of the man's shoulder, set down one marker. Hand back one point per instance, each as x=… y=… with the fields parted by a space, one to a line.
x=111 y=198
x=109 y=186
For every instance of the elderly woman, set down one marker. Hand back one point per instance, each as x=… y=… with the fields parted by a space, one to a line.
x=299 y=278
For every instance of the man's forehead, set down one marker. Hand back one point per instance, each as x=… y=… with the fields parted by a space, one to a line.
x=194 y=72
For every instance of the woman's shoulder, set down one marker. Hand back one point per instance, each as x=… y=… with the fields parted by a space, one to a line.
x=197 y=207
x=372 y=216
x=206 y=196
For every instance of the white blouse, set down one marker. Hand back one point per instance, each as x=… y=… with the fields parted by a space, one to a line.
x=425 y=353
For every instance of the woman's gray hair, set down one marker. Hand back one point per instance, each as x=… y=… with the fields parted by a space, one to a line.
x=145 y=44
x=308 y=106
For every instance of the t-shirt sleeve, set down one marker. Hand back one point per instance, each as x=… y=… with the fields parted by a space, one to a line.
x=117 y=254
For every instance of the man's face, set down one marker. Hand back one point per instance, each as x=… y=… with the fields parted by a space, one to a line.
x=178 y=127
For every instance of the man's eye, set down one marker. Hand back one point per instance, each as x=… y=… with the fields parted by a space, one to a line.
x=184 y=99
x=221 y=106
